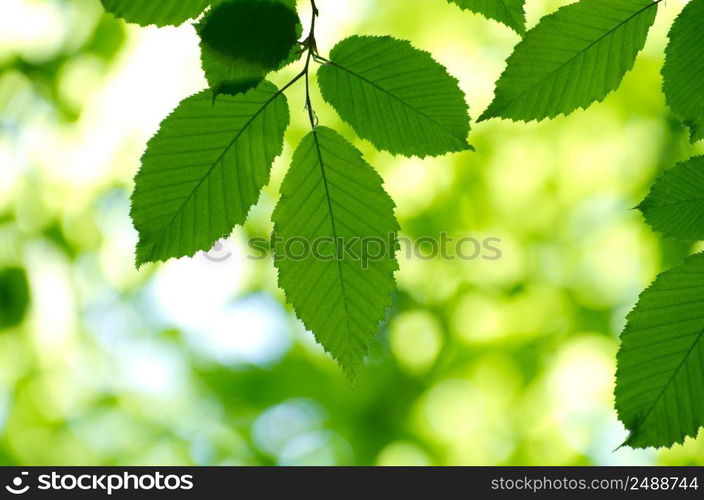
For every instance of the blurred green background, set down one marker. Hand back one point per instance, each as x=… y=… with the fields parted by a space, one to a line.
x=200 y=362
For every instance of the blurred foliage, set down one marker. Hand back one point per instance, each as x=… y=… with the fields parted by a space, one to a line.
x=198 y=362
x=14 y=296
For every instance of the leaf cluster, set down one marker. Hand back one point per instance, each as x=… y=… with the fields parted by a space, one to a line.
x=205 y=168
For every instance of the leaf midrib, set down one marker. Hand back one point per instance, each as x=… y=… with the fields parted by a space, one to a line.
x=674 y=203
x=328 y=200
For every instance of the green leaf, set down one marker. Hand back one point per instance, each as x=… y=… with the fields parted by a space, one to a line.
x=675 y=204
x=572 y=58
x=660 y=376
x=158 y=12
x=396 y=96
x=243 y=40
x=204 y=170
x=683 y=73
x=508 y=12
x=333 y=199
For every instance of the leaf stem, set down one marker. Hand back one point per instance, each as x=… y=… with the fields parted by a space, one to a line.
x=312 y=49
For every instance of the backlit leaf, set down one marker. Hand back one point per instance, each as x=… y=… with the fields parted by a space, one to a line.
x=508 y=12
x=683 y=73
x=332 y=200
x=204 y=170
x=660 y=376
x=243 y=40
x=158 y=12
x=572 y=58
x=675 y=204
x=396 y=96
